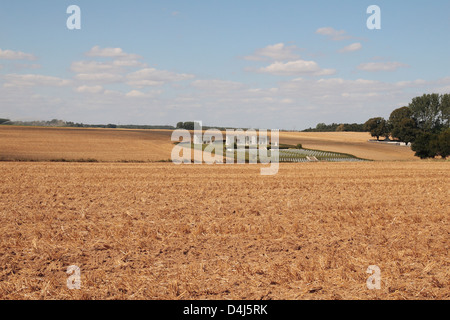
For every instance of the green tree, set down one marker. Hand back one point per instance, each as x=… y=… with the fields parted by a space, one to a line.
x=426 y=145
x=427 y=111
x=190 y=125
x=444 y=143
x=2 y=121
x=405 y=130
x=445 y=110
x=403 y=126
x=378 y=127
x=399 y=114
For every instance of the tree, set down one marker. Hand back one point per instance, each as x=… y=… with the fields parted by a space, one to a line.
x=445 y=110
x=399 y=114
x=426 y=145
x=2 y=121
x=321 y=127
x=180 y=125
x=444 y=143
x=405 y=130
x=378 y=127
x=403 y=126
x=427 y=111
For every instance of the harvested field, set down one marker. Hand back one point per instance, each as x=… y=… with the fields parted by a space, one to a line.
x=74 y=144
x=354 y=143
x=161 y=231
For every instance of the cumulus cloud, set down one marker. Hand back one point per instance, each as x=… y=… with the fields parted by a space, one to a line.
x=297 y=67
x=335 y=35
x=99 y=77
x=277 y=52
x=153 y=77
x=217 y=85
x=106 y=71
x=351 y=48
x=93 y=67
x=140 y=94
x=381 y=66
x=128 y=63
x=111 y=53
x=15 y=55
x=89 y=89
x=34 y=80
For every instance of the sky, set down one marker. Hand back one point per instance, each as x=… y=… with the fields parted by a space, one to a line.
x=286 y=64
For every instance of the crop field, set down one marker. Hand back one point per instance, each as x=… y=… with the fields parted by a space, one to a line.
x=162 y=231
x=80 y=144
x=354 y=143
x=122 y=145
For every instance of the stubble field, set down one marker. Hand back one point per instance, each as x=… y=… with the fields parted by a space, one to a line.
x=122 y=145
x=82 y=144
x=355 y=143
x=161 y=231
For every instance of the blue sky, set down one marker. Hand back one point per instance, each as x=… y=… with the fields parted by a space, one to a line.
x=263 y=64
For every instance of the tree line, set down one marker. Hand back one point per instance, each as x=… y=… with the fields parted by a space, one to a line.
x=62 y=123
x=424 y=123
x=342 y=127
x=190 y=125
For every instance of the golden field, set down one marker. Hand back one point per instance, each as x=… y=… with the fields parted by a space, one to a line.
x=115 y=145
x=355 y=143
x=73 y=144
x=161 y=231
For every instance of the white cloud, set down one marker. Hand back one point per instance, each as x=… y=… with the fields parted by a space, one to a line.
x=34 y=80
x=88 y=89
x=381 y=66
x=325 y=72
x=217 y=85
x=287 y=101
x=93 y=67
x=118 y=64
x=297 y=67
x=15 y=55
x=135 y=93
x=111 y=53
x=410 y=84
x=140 y=94
x=335 y=35
x=153 y=77
x=277 y=52
x=128 y=63
x=99 y=77
x=351 y=48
